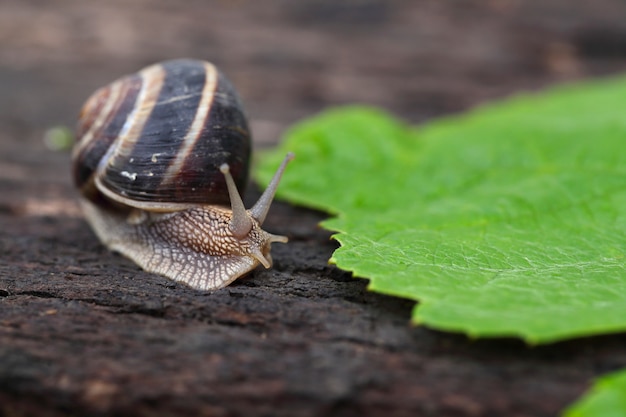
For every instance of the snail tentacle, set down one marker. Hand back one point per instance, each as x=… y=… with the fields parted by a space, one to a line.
x=261 y=208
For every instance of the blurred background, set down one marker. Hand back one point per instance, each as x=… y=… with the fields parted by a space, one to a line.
x=290 y=59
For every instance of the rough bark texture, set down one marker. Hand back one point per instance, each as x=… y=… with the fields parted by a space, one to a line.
x=84 y=331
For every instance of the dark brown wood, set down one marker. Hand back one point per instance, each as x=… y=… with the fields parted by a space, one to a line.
x=85 y=332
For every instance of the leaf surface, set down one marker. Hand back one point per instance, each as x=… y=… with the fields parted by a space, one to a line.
x=607 y=398
x=508 y=220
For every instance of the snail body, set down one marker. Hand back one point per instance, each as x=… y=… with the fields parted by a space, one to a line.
x=159 y=156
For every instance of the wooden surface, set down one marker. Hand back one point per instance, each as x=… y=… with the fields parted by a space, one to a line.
x=84 y=331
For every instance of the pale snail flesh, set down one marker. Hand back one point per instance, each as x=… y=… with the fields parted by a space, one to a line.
x=159 y=155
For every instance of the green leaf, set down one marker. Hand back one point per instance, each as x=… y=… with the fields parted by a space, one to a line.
x=506 y=221
x=607 y=398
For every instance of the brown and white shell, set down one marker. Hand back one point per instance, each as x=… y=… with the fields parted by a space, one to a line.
x=160 y=135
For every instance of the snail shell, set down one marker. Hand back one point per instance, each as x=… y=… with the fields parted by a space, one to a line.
x=158 y=155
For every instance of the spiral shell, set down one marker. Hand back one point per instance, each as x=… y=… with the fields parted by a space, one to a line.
x=159 y=136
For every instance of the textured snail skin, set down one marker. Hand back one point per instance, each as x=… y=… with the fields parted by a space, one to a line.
x=158 y=155
x=193 y=246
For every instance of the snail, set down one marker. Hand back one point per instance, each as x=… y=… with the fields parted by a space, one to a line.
x=159 y=156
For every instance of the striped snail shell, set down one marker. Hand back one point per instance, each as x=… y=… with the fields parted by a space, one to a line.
x=159 y=155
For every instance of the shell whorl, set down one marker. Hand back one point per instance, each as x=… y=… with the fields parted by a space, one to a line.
x=160 y=136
